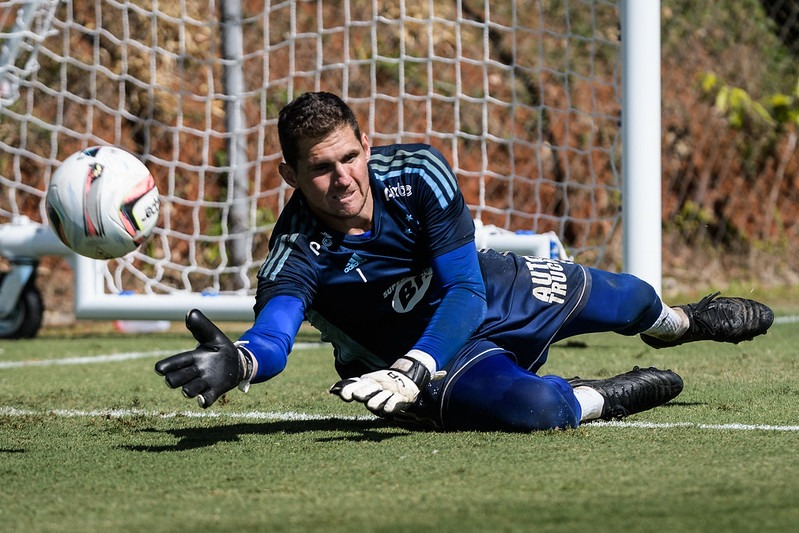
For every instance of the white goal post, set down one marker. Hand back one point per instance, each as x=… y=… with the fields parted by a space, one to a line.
x=531 y=101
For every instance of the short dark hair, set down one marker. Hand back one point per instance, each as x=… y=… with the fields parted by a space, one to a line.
x=312 y=115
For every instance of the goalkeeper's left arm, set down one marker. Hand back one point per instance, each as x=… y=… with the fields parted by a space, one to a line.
x=460 y=313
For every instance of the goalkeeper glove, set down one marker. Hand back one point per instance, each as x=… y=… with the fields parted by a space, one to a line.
x=388 y=391
x=213 y=368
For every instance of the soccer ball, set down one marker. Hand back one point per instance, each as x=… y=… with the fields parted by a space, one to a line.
x=102 y=202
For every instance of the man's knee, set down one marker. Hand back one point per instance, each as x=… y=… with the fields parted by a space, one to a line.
x=624 y=301
x=497 y=395
x=538 y=405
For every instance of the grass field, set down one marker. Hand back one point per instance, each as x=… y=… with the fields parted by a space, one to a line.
x=91 y=440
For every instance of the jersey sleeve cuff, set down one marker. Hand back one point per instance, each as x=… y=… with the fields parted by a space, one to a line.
x=427 y=361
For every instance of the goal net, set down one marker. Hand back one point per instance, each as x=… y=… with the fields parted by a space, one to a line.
x=523 y=97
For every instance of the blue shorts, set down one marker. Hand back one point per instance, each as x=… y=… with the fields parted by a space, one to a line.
x=530 y=299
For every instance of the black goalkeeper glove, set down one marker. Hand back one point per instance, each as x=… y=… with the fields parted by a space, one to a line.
x=213 y=368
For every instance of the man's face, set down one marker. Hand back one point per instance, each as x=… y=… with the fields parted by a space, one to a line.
x=333 y=176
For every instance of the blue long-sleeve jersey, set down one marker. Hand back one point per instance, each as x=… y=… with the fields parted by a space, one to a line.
x=413 y=281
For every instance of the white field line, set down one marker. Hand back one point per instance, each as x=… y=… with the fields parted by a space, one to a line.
x=278 y=416
x=289 y=416
x=111 y=358
x=85 y=360
x=663 y=425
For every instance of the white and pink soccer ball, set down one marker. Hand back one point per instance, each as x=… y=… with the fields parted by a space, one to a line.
x=102 y=202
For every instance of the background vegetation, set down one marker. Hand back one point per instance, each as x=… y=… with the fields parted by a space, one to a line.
x=729 y=122
x=730 y=165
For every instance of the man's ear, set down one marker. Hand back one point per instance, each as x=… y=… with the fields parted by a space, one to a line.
x=365 y=144
x=288 y=175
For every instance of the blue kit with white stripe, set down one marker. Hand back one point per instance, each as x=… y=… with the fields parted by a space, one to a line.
x=415 y=281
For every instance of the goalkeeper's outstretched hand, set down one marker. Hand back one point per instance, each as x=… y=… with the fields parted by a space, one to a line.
x=213 y=368
x=385 y=392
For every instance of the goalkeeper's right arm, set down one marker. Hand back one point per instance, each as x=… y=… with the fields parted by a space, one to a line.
x=271 y=337
x=218 y=365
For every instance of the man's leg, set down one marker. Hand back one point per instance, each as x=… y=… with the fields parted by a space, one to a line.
x=495 y=394
x=638 y=390
x=626 y=304
x=713 y=318
x=621 y=303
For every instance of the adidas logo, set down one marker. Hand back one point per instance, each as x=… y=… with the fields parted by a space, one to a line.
x=354 y=262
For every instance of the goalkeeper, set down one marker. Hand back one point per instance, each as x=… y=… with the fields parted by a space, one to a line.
x=376 y=249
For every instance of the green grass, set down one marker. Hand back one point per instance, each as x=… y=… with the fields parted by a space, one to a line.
x=290 y=457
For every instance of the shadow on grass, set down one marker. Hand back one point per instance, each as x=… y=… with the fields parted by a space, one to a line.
x=343 y=430
x=675 y=403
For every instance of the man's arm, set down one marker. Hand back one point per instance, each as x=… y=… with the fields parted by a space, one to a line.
x=460 y=312
x=462 y=308
x=218 y=365
x=271 y=337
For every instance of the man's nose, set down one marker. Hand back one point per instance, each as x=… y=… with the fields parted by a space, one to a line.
x=341 y=174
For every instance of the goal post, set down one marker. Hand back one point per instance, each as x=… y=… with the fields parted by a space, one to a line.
x=641 y=139
x=531 y=102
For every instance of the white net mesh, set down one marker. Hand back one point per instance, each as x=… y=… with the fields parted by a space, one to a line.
x=521 y=96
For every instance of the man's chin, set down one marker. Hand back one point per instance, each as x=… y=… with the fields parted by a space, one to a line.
x=346 y=210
